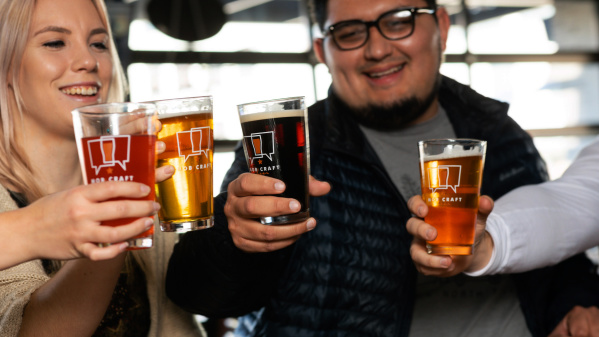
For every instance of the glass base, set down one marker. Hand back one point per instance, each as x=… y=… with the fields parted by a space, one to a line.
x=285 y=219
x=136 y=243
x=449 y=250
x=186 y=226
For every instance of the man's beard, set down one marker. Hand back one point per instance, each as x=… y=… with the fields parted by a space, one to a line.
x=395 y=115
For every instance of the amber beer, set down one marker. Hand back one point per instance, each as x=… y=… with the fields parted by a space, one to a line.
x=186 y=198
x=450 y=183
x=275 y=145
x=117 y=142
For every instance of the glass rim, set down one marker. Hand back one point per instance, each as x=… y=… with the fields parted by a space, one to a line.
x=166 y=108
x=99 y=108
x=189 y=98
x=275 y=100
x=441 y=141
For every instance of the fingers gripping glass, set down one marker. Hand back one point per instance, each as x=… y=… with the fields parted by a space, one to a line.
x=393 y=25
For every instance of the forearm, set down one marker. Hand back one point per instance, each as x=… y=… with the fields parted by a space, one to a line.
x=17 y=239
x=537 y=226
x=209 y=275
x=549 y=237
x=72 y=302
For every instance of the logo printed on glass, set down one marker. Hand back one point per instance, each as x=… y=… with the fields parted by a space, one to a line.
x=194 y=142
x=263 y=144
x=107 y=151
x=443 y=177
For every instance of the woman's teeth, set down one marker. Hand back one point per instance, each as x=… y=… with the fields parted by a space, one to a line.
x=85 y=91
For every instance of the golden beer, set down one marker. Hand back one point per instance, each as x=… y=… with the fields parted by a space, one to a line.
x=451 y=189
x=186 y=198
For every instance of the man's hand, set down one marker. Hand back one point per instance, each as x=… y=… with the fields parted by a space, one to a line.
x=250 y=197
x=579 y=322
x=447 y=265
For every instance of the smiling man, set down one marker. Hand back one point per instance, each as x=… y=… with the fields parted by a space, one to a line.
x=351 y=274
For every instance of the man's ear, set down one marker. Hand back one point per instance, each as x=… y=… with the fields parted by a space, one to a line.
x=319 y=49
x=444 y=23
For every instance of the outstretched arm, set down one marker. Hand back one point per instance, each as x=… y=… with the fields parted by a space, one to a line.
x=41 y=230
x=73 y=301
x=539 y=225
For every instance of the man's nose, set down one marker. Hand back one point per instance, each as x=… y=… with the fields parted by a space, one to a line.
x=377 y=47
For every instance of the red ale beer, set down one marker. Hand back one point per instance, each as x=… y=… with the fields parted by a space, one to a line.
x=120 y=158
x=275 y=145
x=450 y=185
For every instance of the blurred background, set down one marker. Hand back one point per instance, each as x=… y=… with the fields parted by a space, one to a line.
x=541 y=56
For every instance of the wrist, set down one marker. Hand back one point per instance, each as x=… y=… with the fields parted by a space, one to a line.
x=15 y=240
x=482 y=254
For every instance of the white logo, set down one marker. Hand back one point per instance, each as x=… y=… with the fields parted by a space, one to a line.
x=107 y=151
x=196 y=139
x=439 y=177
x=263 y=144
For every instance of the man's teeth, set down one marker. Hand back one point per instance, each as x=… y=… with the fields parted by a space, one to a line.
x=386 y=72
x=85 y=91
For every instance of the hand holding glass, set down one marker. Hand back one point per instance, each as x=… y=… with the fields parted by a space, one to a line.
x=276 y=144
x=450 y=175
x=117 y=142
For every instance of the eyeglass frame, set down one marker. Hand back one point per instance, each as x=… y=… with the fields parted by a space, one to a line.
x=413 y=11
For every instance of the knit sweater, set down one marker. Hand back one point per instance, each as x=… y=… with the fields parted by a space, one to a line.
x=19 y=282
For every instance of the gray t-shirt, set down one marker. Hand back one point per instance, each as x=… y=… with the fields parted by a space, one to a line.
x=459 y=306
x=398 y=150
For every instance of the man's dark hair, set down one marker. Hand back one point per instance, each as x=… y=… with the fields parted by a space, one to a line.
x=318 y=10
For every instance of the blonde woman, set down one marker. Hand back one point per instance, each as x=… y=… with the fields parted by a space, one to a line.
x=50 y=50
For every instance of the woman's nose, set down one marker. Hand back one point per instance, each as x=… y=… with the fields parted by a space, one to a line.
x=85 y=59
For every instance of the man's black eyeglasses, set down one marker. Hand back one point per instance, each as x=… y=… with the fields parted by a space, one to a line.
x=393 y=25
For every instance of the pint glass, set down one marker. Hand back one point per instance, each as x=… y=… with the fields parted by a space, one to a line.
x=117 y=142
x=450 y=175
x=275 y=141
x=186 y=198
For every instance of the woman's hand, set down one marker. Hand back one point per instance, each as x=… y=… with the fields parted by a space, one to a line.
x=67 y=224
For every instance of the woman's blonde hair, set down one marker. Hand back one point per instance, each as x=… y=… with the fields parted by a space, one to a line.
x=15 y=19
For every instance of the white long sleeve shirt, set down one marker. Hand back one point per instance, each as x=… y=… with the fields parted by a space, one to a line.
x=539 y=225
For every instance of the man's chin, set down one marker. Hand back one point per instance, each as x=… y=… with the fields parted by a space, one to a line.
x=392 y=115
x=374 y=103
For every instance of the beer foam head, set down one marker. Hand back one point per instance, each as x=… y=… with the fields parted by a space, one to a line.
x=275 y=108
x=183 y=106
x=447 y=149
x=270 y=115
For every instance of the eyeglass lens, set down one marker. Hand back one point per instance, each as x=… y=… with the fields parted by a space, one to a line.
x=393 y=26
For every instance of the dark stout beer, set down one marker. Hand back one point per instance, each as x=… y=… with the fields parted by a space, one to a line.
x=275 y=145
